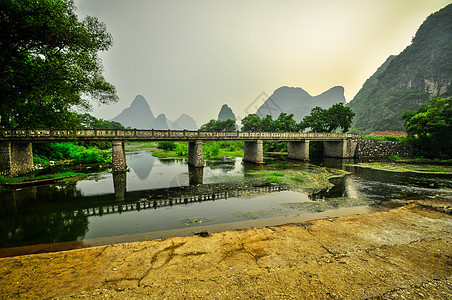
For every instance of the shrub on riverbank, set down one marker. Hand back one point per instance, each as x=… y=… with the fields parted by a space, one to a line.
x=389 y=138
x=167 y=146
x=78 y=154
x=211 y=150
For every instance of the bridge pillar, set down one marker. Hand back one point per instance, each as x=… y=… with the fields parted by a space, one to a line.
x=341 y=149
x=16 y=158
x=195 y=175
x=298 y=150
x=195 y=157
x=254 y=152
x=118 y=156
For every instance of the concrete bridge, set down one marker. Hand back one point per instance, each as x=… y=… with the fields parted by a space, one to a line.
x=16 y=157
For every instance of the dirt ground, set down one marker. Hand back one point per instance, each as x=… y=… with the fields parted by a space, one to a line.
x=401 y=253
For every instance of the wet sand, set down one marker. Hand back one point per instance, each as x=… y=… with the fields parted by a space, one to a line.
x=403 y=252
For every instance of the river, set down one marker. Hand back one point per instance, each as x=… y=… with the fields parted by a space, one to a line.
x=160 y=198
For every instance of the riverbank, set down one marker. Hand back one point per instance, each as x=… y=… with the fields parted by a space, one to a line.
x=419 y=165
x=403 y=252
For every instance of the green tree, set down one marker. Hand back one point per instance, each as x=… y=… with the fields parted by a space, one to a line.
x=317 y=121
x=251 y=122
x=214 y=125
x=49 y=63
x=432 y=124
x=227 y=125
x=328 y=120
x=90 y=122
x=285 y=123
x=340 y=116
x=267 y=124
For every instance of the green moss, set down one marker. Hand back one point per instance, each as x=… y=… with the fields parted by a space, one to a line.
x=4 y=180
x=297 y=179
x=273 y=179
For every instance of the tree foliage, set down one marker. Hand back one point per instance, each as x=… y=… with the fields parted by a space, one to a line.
x=284 y=123
x=251 y=122
x=320 y=120
x=328 y=120
x=90 y=122
x=214 y=125
x=49 y=63
x=432 y=124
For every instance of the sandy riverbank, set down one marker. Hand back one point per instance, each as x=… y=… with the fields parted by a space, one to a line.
x=405 y=251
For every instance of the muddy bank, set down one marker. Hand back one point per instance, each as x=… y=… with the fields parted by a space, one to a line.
x=405 y=251
x=408 y=166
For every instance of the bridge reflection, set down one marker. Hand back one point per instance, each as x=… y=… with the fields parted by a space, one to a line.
x=177 y=196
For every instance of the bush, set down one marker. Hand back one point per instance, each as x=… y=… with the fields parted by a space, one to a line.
x=182 y=149
x=231 y=146
x=167 y=146
x=275 y=146
x=68 y=151
x=389 y=138
x=211 y=149
x=91 y=156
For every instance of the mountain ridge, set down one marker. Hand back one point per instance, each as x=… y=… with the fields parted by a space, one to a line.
x=298 y=101
x=423 y=70
x=139 y=115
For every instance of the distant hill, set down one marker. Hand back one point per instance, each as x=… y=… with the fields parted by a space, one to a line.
x=184 y=122
x=406 y=81
x=226 y=113
x=140 y=116
x=298 y=101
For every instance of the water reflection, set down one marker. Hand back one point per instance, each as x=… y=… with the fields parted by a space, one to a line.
x=195 y=175
x=119 y=184
x=141 y=163
x=21 y=225
x=161 y=194
x=225 y=165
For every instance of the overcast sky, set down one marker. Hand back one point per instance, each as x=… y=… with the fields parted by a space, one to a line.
x=193 y=56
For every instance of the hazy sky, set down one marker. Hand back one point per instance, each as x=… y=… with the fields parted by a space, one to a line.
x=193 y=56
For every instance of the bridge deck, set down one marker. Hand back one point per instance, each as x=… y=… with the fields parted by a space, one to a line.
x=95 y=135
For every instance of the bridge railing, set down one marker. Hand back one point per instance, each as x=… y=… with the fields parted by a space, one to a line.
x=166 y=134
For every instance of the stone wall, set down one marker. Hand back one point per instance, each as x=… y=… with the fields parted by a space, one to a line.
x=371 y=148
x=16 y=159
x=5 y=158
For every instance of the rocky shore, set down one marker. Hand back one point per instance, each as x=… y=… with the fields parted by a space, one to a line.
x=404 y=252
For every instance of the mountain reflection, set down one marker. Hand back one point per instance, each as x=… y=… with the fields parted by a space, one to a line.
x=141 y=163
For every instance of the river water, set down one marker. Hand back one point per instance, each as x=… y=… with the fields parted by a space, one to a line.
x=159 y=198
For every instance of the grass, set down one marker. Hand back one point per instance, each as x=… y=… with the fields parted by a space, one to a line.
x=211 y=150
x=147 y=146
x=394 y=157
x=77 y=154
x=297 y=179
x=434 y=170
x=377 y=164
x=389 y=138
x=4 y=180
x=165 y=154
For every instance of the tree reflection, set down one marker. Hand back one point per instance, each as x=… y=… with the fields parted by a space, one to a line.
x=44 y=228
x=223 y=165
